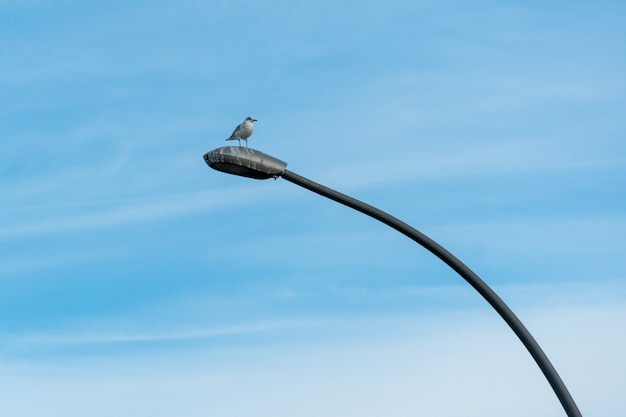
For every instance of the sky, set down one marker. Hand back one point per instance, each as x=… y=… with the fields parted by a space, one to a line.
x=135 y=280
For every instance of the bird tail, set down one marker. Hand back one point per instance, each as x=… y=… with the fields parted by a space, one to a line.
x=231 y=138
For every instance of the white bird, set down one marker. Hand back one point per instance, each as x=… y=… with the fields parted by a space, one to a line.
x=243 y=131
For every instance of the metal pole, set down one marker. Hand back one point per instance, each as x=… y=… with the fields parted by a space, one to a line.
x=474 y=280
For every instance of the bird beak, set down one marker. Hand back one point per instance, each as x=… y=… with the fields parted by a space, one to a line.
x=254 y=120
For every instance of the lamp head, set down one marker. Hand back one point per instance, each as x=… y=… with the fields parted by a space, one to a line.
x=245 y=162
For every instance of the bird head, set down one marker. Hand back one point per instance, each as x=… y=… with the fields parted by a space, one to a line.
x=250 y=119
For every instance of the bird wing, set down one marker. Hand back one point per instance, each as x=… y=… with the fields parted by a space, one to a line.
x=237 y=129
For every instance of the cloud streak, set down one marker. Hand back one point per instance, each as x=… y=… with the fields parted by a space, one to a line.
x=397 y=366
x=137 y=211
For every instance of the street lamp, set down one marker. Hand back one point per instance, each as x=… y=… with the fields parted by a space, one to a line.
x=251 y=163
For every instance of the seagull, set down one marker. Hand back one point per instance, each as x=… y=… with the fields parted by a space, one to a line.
x=243 y=131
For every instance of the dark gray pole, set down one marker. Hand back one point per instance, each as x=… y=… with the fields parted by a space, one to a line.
x=474 y=280
x=255 y=164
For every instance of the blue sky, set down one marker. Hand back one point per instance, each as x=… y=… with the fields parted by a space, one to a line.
x=136 y=280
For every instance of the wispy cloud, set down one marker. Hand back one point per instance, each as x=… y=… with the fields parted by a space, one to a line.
x=130 y=211
x=399 y=365
x=104 y=337
x=477 y=159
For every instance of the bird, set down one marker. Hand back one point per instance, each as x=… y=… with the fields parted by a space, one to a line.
x=243 y=130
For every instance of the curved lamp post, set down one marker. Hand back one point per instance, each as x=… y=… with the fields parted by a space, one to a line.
x=251 y=163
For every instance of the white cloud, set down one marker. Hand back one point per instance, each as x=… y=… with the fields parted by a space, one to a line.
x=516 y=156
x=90 y=337
x=465 y=363
x=139 y=210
